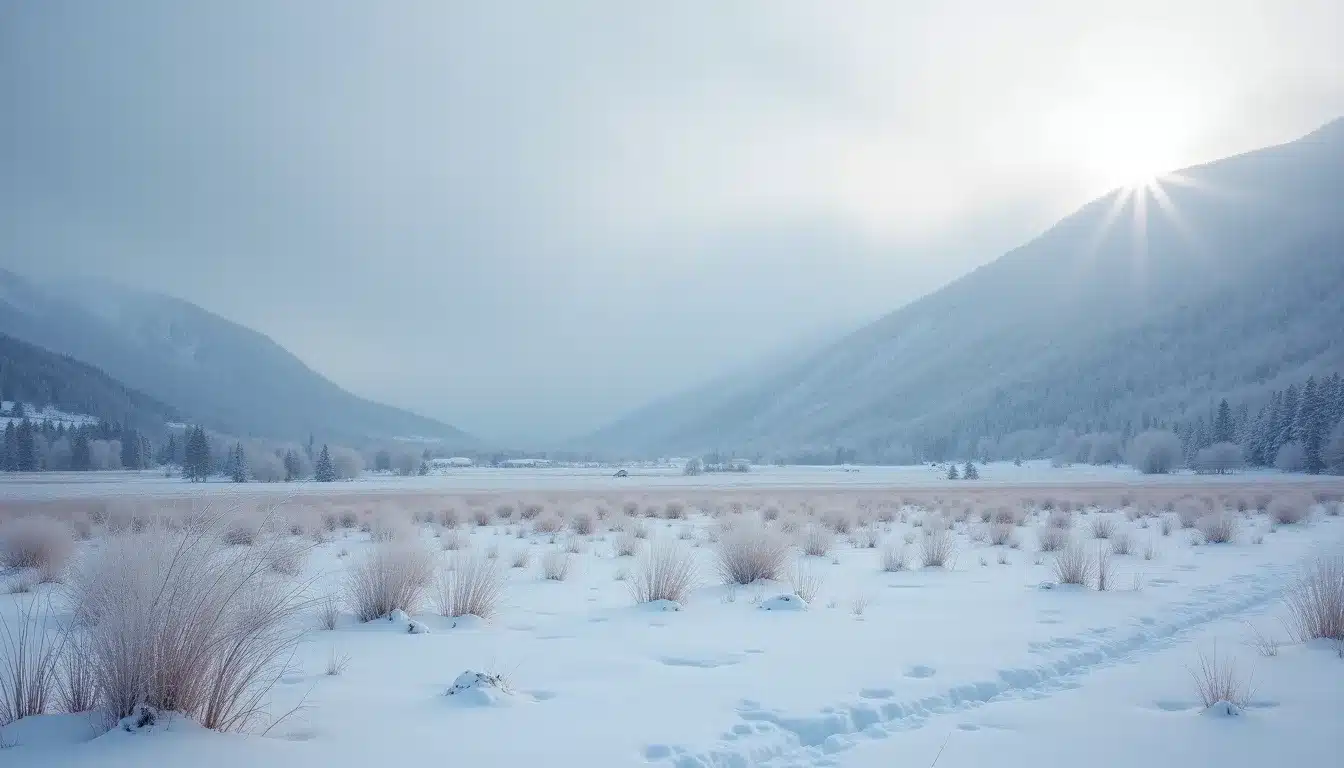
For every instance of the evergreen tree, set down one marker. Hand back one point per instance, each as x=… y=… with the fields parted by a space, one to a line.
x=971 y=472
x=131 y=458
x=1286 y=421
x=26 y=454
x=196 y=458
x=10 y=461
x=292 y=466
x=1312 y=427
x=81 y=456
x=324 y=472
x=237 y=464
x=1223 y=430
x=952 y=472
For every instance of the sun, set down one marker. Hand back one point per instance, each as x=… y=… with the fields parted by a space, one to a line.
x=1124 y=137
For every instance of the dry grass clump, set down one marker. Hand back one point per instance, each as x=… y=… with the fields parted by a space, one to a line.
x=667 y=572
x=841 y=521
x=818 y=541
x=393 y=577
x=1290 y=510
x=895 y=559
x=1122 y=543
x=287 y=556
x=521 y=558
x=37 y=542
x=674 y=510
x=171 y=621
x=1060 y=520
x=1102 y=527
x=454 y=541
x=1189 y=512
x=481 y=517
x=1316 y=601
x=28 y=662
x=555 y=565
x=504 y=512
x=1053 y=539
x=938 y=547
x=1074 y=565
x=582 y=524
x=1218 y=528
x=547 y=523
x=806 y=581
x=470 y=587
x=1219 y=681
x=627 y=545
x=751 y=552
x=1001 y=534
x=864 y=538
x=532 y=511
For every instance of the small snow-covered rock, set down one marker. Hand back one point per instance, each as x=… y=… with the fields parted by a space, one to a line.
x=416 y=628
x=398 y=615
x=480 y=689
x=1223 y=709
x=784 y=603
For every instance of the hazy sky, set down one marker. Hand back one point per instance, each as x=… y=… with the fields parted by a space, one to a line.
x=527 y=218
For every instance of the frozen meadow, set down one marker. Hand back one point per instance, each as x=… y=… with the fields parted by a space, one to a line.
x=789 y=617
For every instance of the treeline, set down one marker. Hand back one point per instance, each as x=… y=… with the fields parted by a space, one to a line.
x=54 y=446
x=1299 y=429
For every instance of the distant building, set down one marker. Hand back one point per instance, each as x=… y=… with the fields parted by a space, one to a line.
x=456 y=461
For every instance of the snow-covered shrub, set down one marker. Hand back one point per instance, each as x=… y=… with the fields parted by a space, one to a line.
x=1316 y=601
x=242 y=530
x=1074 y=565
x=287 y=556
x=471 y=587
x=841 y=521
x=1290 y=510
x=264 y=466
x=666 y=572
x=175 y=623
x=548 y=523
x=864 y=538
x=938 y=547
x=674 y=510
x=453 y=541
x=394 y=576
x=817 y=541
x=1218 y=527
x=76 y=683
x=521 y=558
x=751 y=552
x=36 y=542
x=1060 y=519
x=1155 y=452
x=29 y=652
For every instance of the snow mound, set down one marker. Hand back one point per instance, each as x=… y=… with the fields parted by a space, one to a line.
x=417 y=628
x=1223 y=709
x=480 y=690
x=398 y=615
x=784 y=603
x=663 y=606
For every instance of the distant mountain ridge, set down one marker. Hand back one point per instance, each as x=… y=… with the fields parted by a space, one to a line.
x=218 y=373
x=1095 y=324
x=40 y=378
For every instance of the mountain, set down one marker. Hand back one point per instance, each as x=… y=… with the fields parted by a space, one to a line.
x=218 y=373
x=39 y=378
x=1221 y=279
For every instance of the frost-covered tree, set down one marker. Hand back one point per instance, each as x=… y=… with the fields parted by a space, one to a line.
x=382 y=461
x=1291 y=457
x=293 y=467
x=237 y=467
x=693 y=467
x=346 y=463
x=81 y=459
x=1155 y=452
x=324 y=471
x=405 y=464
x=952 y=472
x=1334 y=450
x=970 y=473
x=196 y=455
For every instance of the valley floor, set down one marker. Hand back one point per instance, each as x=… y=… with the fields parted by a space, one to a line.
x=984 y=661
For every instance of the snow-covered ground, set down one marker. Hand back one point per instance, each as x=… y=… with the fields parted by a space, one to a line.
x=973 y=664
x=53 y=485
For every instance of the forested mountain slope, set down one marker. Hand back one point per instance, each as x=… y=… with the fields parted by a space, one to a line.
x=1223 y=279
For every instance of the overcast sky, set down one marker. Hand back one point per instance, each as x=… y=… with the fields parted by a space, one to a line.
x=528 y=218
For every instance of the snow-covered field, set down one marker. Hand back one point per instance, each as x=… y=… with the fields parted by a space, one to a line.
x=972 y=663
x=67 y=485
